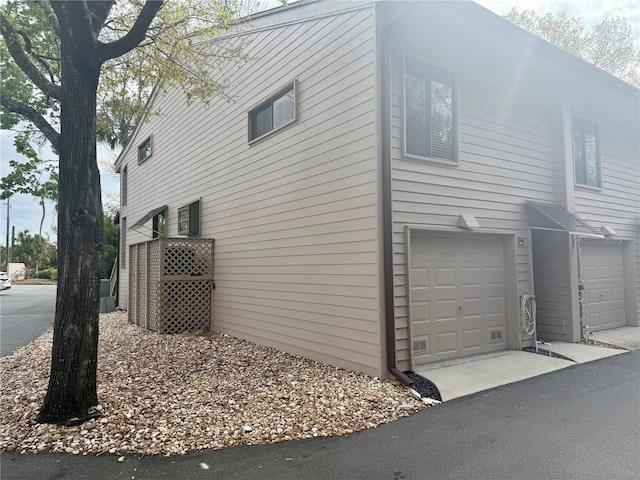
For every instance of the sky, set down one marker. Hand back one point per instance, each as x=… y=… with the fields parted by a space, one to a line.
x=26 y=213
x=593 y=11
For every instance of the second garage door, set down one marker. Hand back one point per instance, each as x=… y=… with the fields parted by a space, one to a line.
x=458 y=300
x=602 y=270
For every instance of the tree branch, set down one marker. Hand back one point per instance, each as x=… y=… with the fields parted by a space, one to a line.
x=107 y=51
x=81 y=22
x=51 y=16
x=99 y=12
x=11 y=39
x=32 y=115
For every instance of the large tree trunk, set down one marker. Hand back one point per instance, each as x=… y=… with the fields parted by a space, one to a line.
x=72 y=387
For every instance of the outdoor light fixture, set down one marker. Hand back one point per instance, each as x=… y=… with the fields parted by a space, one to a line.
x=468 y=221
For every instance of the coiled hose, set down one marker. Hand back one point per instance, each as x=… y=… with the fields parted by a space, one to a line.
x=528 y=313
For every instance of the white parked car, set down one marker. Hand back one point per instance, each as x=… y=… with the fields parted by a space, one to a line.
x=5 y=281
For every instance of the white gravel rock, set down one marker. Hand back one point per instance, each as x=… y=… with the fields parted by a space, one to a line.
x=173 y=394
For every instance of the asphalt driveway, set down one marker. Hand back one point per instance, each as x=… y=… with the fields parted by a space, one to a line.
x=581 y=423
x=25 y=312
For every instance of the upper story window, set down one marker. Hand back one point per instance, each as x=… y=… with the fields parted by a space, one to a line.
x=189 y=219
x=159 y=224
x=430 y=110
x=277 y=112
x=123 y=186
x=586 y=153
x=144 y=150
x=123 y=242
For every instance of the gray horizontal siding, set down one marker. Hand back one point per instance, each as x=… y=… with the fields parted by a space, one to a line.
x=637 y=257
x=552 y=279
x=294 y=215
x=617 y=204
x=506 y=155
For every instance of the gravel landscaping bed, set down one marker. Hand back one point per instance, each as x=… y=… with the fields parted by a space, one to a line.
x=172 y=394
x=596 y=343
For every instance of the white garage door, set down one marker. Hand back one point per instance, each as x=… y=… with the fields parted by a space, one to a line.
x=602 y=270
x=457 y=291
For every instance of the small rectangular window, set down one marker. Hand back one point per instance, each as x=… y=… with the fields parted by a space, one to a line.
x=189 y=219
x=123 y=186
x=159 y=224
x=430 y=111
x=123 y=242
x=275 y=113
x=144 y=150
x=586 y=153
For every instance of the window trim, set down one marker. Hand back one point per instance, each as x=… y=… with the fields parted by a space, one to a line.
x=576 y=183
x=292 y=85
x=123 y=187
x=123 y=243
x=148 y=140
x=191 y=230
x=155 y=232
x=455 y=161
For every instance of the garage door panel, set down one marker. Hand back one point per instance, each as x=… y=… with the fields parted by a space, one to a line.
x=470 y=277
x=471 y=307
x=421 y=329
x=463 y=294
x=494 y=277
x=420 y=294
x=419 y=277
x=445 y=309
x=602 y=268
x=498 y=336
x=472 y=339
x=444 y=277
x=446 y=343
x=495 y=305
x=617 y=272
x=420 y=311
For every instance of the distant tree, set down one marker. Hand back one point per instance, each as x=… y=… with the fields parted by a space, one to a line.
x=110 y=251
x=32 y=250
x=607 y=44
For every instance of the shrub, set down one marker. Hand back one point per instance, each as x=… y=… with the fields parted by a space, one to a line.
x=50 y=273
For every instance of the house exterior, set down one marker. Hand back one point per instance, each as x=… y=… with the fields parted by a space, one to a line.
x=391 y=179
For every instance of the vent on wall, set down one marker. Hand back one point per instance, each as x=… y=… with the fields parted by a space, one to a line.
x=496 y=335
x=420 y=346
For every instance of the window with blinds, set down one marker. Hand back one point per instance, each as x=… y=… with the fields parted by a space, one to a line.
x=274 y=114
x=586 y=152
x=430 y=111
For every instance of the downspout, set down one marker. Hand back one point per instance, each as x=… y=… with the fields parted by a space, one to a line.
x=387 y=207
x=583 y=327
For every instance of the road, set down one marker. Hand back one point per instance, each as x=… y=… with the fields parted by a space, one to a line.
x=582 y=422
x=25 y=312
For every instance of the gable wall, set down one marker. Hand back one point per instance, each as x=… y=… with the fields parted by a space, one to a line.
x=294 y=216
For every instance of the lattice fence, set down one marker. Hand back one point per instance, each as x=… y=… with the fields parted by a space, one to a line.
x=171 y=284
